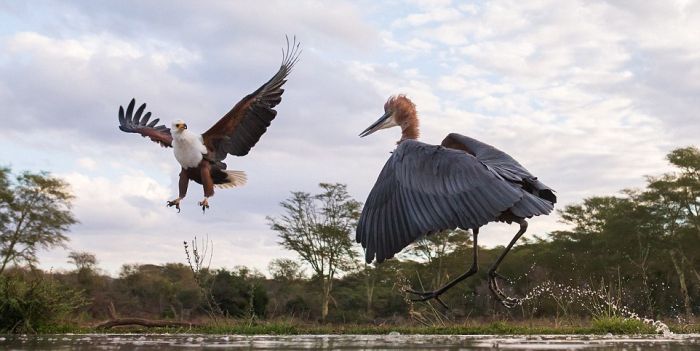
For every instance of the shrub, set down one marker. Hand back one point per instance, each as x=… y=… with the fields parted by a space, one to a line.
x=31 y=302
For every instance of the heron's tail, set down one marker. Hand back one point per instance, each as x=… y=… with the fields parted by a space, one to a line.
x=234 y=179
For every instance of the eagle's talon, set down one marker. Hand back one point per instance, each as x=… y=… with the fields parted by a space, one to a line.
x=175 y=203
x=205 y=205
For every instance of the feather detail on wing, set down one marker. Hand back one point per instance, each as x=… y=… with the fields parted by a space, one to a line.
x=241 y=128
x=424 y=189
x=234 y=179
x=131 y=122
x=541 y=199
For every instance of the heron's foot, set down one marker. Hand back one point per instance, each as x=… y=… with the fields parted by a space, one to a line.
x=508 y=302
x=426 y=295
x=205 y=204
x=175 y=203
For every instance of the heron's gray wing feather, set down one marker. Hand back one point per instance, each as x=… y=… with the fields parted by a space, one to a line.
x=509 y=169
x=424 y=189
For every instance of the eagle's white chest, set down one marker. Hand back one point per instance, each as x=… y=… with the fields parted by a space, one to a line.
x=188 y=148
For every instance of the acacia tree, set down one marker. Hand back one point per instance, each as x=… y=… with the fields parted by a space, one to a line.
x=674 y=198
x=34 y=214
x=83 y=261
x=318 y=228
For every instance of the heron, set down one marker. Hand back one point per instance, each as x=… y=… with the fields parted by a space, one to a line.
x=462 y=183
x=201 y=156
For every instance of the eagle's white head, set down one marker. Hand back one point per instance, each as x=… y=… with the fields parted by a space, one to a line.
x=179 y=126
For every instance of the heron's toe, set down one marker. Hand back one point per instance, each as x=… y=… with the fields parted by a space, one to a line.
x=425 y=296
x=508 y=302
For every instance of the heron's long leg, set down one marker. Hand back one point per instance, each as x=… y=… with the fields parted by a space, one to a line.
x=493 y=285
x=426 y=295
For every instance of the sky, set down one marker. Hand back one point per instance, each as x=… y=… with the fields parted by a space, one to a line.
x=588 y=95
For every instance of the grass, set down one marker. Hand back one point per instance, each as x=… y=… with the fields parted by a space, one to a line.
x=619 y=325
x=600 y=326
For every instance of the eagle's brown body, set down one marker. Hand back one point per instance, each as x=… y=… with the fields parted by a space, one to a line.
x=208 y=174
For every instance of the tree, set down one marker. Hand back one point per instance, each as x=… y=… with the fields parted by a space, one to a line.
x=318 y=229
x=674 y=199
x=83 y=261
x=35 y=211
x=85 y=274
x=285 y=269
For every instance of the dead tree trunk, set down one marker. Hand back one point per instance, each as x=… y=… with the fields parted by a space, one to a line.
x=118 y=322
x=115 y=321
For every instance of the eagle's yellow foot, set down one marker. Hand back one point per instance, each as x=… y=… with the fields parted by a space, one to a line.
x=205 y=204
x=175 y=203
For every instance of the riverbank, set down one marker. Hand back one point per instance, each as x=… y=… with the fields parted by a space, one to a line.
x=603 y=326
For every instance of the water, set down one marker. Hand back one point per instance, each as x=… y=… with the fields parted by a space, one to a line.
x=346 y=342
x=595 y=300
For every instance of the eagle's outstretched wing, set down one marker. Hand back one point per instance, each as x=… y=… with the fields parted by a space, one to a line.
x=241 y=128
x=131 y=122
x=424 y=189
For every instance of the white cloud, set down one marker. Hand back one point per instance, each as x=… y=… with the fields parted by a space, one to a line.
x=87 y=163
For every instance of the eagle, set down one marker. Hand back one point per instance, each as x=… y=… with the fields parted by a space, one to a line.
x=201 y=155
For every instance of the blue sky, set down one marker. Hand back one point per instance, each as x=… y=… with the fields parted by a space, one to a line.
x=588 y=95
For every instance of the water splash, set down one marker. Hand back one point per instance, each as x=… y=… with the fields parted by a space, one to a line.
x=597 y=298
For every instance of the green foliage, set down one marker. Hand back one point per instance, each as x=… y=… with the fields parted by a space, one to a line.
x=31 y=301
x=319 y=228
x=239 y=295
x=34 y=214
x=161 y=291
x=619 y=325
x=285 y=269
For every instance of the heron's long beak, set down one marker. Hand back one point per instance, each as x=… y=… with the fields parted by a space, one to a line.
x=384 y=121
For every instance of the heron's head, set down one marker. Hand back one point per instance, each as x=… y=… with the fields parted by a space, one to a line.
x=179 y=125
x=398 y=111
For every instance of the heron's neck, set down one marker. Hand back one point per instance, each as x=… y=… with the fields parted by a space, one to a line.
x=409 y=129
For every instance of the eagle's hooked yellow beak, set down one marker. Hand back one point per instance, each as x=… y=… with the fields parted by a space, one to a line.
x=181 y=126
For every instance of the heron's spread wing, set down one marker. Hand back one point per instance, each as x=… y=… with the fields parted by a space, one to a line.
x=538 y=199
x=241 y=128
x=425 y=189
x=137 y=122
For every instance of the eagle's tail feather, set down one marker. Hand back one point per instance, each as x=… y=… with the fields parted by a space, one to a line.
x=234 y=179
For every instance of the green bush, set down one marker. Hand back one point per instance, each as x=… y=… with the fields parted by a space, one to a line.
x=238 y=295
x=33 y=302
